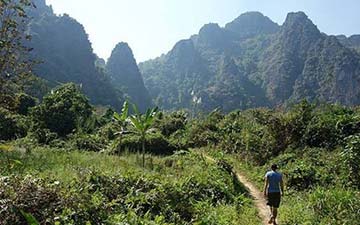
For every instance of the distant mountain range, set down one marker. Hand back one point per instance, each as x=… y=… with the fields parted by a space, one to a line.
x=253 y=62
x=61 y=45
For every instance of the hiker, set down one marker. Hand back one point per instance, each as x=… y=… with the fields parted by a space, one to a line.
x=273 y=190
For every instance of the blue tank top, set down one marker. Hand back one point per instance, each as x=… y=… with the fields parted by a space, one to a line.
x=274 y=181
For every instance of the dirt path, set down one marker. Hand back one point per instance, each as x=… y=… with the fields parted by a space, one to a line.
x=255 y=193
x=258 y=197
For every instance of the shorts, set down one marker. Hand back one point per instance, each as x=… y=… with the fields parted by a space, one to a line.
x=273 y=199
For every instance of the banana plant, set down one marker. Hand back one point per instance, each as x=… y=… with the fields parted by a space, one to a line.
x=142 y=124
x=121 y=120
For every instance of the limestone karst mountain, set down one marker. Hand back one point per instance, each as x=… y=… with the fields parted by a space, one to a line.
x=253 y=61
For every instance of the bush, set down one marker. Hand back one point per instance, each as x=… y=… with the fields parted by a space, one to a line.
x=203 y=132
x=11 y=126
x=88 y=142
x=23 y=103
x=334 y=205
x=171 y=123
x=329 y=125
x=351 y=159
x=61 y=111
x=155 y=143
x=301 y=176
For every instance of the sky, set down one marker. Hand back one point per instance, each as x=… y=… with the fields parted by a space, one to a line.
x=152 y=27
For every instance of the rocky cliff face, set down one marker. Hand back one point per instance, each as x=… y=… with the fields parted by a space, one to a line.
x=125 y=75
x=252 y=62
x=65 y=54
x=62 y=46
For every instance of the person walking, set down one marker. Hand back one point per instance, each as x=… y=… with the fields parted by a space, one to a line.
x=273 y=190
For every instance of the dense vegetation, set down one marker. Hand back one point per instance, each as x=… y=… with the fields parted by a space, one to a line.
x=317 y=148
x=65 y=161
x=254 y=62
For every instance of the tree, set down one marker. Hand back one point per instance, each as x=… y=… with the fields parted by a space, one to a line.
x=142 y=123
x=121 y=120
x=61 y=110
x=14 y=60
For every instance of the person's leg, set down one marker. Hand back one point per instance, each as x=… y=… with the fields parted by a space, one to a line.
x=274 y=214
x=271 y=215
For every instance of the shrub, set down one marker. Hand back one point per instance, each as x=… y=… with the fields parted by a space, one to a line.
x=170 y=123
x=11 y=126
x=60 y=111
x=88 y=142
x=329 y=125
x=155 y=143
x=334 y=205
x=23 y=103
x=351 y=158
x=203 y=132
x=301 y=176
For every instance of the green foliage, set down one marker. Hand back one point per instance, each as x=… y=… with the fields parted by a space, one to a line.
x=61 y=110
x=30 y=219
x=330 y=125
x=88 y=142
x=23 y=103
x=12 y=126
x=155 y=143
x=203 y=132
x=169 y=123
x=351 y=157
x=186 y=192
x=334 y=205
x=301 y=176
x=142 y=124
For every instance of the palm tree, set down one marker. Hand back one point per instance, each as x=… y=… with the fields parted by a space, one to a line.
x=142 y=123
x=121 y=120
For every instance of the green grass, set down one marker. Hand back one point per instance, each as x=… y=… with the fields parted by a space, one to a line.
x=178 y=189
x=322 y=204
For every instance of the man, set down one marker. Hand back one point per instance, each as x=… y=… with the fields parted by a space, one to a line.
x=273 y=190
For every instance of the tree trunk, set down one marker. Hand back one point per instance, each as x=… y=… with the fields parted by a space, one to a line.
x=143 y=150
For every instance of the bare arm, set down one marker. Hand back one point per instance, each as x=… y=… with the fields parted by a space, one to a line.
x=266 y=185
x=282 y=186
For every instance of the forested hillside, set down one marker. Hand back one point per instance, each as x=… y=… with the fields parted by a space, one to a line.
x=253 y=61
x=63 y=50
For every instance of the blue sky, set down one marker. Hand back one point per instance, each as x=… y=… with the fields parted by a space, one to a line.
x=152 y=27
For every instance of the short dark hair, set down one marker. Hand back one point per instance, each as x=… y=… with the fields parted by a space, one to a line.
x=274 y=167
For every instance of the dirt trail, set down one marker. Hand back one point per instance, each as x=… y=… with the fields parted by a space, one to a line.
x=258 y=197
x=256 y=194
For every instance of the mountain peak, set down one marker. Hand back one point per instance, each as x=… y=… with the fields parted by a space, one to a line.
x=124 y=74
x=299 y=16
x=298 y=25
x=299 y=19
x=210 y=29
x=123 y=53
x=251 y=24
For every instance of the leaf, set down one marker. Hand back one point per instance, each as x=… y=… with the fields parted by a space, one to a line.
x=117 y=116
x=30 y=219
x=136 y=110
x=125 y=111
